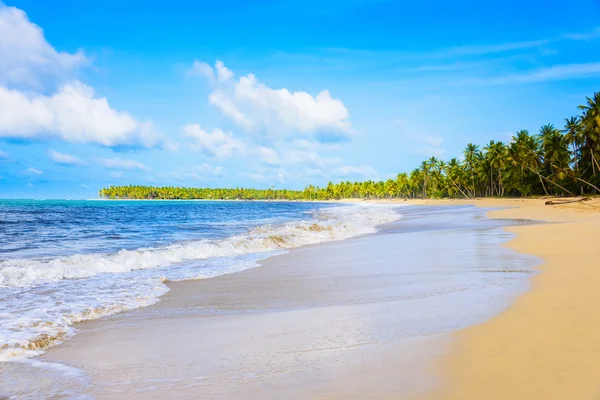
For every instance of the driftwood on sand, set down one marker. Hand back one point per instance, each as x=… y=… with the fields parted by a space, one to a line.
x=556 y=202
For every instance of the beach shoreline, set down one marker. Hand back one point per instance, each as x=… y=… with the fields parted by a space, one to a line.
x=321 y=316
x=545 y=344
x=270 y=319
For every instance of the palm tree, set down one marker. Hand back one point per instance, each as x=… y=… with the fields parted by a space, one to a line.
x=590 y=123
x=470 y=154
x=496 y=156
x=425 y=169
x=555 y=150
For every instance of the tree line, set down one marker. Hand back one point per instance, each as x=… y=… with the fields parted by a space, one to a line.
x=554 y=161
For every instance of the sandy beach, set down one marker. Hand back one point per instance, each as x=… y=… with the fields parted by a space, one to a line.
x=380 y=316
x=545 y=346
x=361 y=318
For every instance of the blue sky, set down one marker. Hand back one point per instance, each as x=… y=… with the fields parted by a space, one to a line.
x=275 y=93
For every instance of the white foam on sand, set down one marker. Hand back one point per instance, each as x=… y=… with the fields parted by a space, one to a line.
x=41 y=298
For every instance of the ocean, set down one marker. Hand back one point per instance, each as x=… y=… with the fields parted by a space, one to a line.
x=63 y=262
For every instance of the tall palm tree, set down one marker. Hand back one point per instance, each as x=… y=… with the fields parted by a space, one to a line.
x=425 y=170
x=496 y=155
x=590 y=122
x=556 y=155
x=470 y=154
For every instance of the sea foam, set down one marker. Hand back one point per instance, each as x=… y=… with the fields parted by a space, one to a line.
x=41 y=298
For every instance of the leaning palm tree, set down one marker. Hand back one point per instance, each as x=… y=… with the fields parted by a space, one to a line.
x=455 y=175
x=555 y=147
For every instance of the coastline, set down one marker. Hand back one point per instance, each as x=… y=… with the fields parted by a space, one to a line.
x=322 y=316
x=545 y=345
x=540 y=344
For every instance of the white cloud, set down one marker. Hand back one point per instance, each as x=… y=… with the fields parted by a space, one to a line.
x=34 y=171
x=3 y=155
x=116 y=174
x=120 y=163
x=25 y=55
x=72 y=114
x=277 y=112
x=216 y=143
x=61 y=158
x=83 y=185
x=219 y=74
x=202 y=69
x=267 y=155
x=223 y=73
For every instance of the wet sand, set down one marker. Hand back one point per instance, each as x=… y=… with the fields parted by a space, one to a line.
x=546 y=345
x=361 y=318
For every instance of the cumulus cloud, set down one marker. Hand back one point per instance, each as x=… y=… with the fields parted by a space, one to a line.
x=26 y=58
x=120 y=163
x=219 y=74
x=65 y=109
x=216 y=143
x=277 y=112
x=61 y=158
x=73 y=114
x=202 y=69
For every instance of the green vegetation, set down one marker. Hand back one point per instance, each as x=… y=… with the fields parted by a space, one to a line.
x=552 y=162
x=170 y=192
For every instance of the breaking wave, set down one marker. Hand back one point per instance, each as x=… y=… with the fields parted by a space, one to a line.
x=41 y=298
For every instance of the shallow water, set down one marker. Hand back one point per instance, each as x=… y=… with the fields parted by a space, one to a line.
x=435 y=270
x=63 y=262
